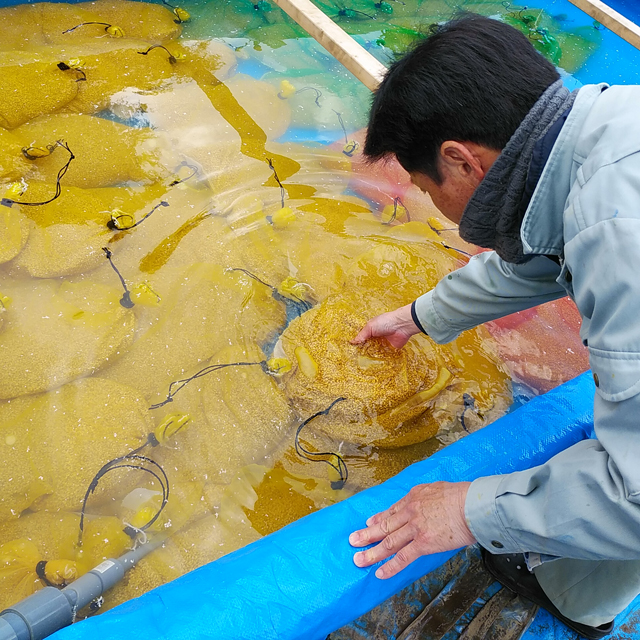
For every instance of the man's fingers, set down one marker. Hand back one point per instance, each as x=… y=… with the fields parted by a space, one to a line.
x=390 y=544
x=429 y=519
x=376 y=532
x=397 y=326
x=403 y=558
x=392 y=510
x=364 y=334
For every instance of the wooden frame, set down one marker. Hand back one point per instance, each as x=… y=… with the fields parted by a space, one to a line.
x=611 y=19
x=370 y=71
x=336 y=41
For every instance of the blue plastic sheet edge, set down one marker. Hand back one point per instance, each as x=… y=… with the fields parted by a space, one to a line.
x=301 y=583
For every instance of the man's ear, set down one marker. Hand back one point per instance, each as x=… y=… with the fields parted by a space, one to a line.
x=465 y=161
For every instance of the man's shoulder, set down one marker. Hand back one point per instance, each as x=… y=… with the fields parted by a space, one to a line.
x=592 y=170
x=606 y=162
x=611 y=130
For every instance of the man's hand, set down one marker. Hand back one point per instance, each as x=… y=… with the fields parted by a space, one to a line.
x=396 y=326
x=429 y=519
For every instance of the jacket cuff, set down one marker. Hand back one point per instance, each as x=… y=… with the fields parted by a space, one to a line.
x=414 y=317
x=483 y=519
x=429 y=320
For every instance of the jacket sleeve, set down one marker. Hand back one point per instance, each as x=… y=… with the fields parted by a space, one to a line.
x=580 y=504
x=484 y=289
x=585 y=502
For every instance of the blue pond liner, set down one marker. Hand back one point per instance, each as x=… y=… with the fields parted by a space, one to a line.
x=301 y=583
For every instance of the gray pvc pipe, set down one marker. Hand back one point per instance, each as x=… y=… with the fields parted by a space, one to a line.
x=51 y=609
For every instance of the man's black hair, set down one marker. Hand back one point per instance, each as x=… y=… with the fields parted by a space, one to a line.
x=473 y=80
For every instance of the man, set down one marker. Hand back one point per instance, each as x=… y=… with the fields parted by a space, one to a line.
x=550 y=180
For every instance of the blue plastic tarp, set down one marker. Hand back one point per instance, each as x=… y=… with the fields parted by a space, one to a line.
x=300 y=582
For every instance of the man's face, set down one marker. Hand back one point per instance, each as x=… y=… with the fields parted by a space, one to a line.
x=462 y=166
x=450 y=196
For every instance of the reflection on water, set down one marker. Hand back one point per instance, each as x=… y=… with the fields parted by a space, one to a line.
x=183 y=297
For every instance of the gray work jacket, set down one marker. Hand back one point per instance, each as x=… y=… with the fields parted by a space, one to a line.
x=585 y=502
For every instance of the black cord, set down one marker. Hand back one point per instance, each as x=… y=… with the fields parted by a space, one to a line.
x=439 y=231
x=181 y=14
x=344 y=130
x=396 y=202
x=126 y=300
x=318 y=93
x=40 y=572
x=63 y=66
x=82 y=24
x=340 y=466
x=254 y=276
x=7 y=202
x=464 y=253
x=180 y=384
x=275 y=174
x=115 y=225
x=350 y=147
x=344 y=13
x=121 y=463
x=172 y=58
x=194 y=172
x=469 y=403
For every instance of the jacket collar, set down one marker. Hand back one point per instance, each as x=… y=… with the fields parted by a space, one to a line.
x=493 y=215
x=542 y=230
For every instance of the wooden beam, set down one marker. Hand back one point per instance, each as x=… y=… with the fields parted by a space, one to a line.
x=611 y=19
x=336 y=41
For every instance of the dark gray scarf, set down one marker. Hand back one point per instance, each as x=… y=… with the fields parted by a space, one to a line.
x=493 y=216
